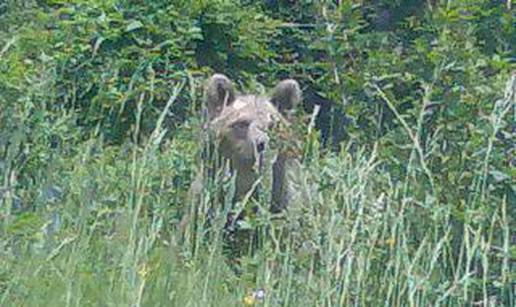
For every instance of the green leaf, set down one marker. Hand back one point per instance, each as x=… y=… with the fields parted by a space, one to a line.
x=499 y=176
x=134 y=25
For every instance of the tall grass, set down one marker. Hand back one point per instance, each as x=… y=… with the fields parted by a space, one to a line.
x=105 y=230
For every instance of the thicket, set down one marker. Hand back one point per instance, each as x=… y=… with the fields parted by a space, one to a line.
x=410 y=168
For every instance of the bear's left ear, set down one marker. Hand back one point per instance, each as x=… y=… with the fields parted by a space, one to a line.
x=286 y=95
x=218 y=94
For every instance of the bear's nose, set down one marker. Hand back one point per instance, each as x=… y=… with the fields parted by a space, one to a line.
x=260 y=147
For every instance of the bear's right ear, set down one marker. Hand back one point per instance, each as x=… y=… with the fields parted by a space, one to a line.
x=219 y=93
x=286 y=96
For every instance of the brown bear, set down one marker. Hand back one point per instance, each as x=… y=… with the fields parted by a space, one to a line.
x=241 y=126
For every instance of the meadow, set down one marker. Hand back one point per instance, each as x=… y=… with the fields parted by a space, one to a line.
x=407 y=176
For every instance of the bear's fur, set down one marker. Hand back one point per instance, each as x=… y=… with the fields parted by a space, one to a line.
x=241 y=128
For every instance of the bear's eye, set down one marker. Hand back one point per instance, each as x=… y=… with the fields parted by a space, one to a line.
x=241 y=124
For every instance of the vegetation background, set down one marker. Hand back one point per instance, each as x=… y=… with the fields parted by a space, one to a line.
x=409 y=174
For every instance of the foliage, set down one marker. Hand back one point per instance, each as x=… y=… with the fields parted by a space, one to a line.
x=408 y=180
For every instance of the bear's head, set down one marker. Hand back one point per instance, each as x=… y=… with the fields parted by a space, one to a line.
x=242 y=124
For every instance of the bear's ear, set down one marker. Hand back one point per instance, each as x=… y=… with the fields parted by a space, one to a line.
x=219 y=93
x=286 y=96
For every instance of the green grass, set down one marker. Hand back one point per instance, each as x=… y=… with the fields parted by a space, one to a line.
x=95 y=201
x=114 y=237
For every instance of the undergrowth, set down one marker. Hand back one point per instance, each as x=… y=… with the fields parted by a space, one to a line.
x=406 y=192
x=107 y=232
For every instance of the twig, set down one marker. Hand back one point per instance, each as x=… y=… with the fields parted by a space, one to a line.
x=8 y=45
x=411 y=135
x=500 y=110
x=58 y=249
